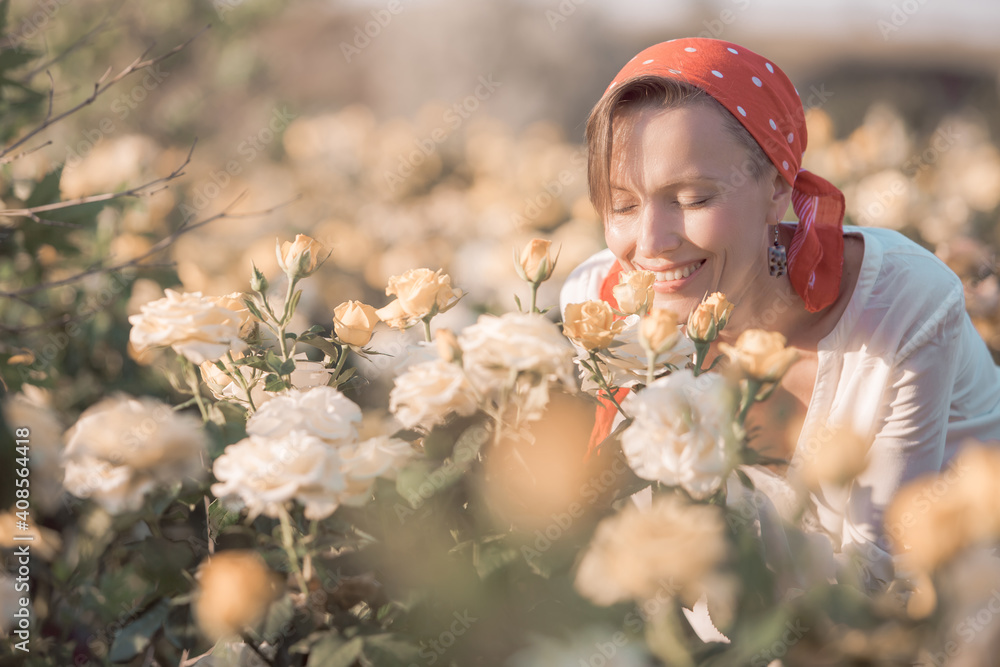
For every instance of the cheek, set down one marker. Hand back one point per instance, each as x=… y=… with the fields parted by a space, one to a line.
x=620 y=240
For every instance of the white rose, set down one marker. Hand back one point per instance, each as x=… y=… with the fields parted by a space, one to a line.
x=195 y=326
x=495 y=349
x=427 y=393
x=627 y=363
x=122 y=447
x=322 y=411
x=376 y=457
x=682 y=432
x=267 y=473
x=307 y=374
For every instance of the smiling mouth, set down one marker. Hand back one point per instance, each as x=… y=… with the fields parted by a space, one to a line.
x=678 y=274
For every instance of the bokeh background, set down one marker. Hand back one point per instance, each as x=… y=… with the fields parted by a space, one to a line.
x=440 y=133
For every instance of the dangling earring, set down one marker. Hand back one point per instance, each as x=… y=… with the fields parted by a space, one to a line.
x=777 y=261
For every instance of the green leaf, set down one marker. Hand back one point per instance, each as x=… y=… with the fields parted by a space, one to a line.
x=746 y=481
x=14 y=58
x=319 y=343
x=278 y=623
x=333 y=651
x=46 y=191
x=517 y=300
x=286 y=367
x=390 y=651
x=273 y=383
x=295 y=302
x=273 y=361
x=135 y=637
x=253 y=362
x=252 y=307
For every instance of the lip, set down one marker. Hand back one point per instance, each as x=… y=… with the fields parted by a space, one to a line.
x=670 y=286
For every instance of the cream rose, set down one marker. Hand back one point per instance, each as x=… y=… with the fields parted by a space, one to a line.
x=634 y=291
x=268 y=473
x=659 y=331
x=760 y=355
x=353 y=322
x=123 y=447
x=235 y=589
x=300 y=257
x=419 y=293
x=322 y=412
x=427 y=393
x=195 y=326
x=535 y=263
x=672 y=549
x=591 y=324
x=495 y=349
x=682 y=432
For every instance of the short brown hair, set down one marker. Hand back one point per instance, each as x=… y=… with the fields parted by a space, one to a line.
x=651 y=91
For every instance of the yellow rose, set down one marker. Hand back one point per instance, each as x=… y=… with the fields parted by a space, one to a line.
x=658 y=330
x=419 y=293
x=353 y=322
x=634 y=291
x=395 y=316
x=591 y=324
x=761 y=355
x=709 y=317
x=300 y=257
x=235 y=589
x=535 y=263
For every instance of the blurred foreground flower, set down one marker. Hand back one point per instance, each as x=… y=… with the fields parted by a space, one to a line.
x=31 y=408
x=673 y=549
x=591 y=324
x=44 y=542
x=683 y=432
x=612 y=646
x=9 y=603
x=761 y=355
x=834 y=461
x=122 y=447
x=235 y=590
x=934 y=517
x=195 y=326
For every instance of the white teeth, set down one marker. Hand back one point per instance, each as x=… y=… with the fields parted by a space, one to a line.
x=679 y=273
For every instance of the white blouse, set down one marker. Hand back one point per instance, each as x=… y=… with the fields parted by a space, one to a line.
x=904 y=366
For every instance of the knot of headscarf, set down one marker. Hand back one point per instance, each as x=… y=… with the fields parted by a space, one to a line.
x=759 y=95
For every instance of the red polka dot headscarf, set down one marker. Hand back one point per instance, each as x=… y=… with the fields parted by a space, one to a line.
x=762 y=98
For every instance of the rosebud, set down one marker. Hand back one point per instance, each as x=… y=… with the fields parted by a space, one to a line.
x=659 y=330
x=258 y=281
x=419 y=293
x=709 y=317
x=353 y=322
x=235 y=589
x=300 y=257
x=535 y=263
x=760 y=355
x=591 y=324
x=634 y=291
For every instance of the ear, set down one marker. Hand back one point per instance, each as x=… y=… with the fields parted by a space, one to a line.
x=781 y=197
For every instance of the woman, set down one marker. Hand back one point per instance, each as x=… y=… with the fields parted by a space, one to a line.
x=694 y=157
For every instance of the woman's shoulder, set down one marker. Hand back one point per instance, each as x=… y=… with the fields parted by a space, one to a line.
x=902 y=268
x=584 y=282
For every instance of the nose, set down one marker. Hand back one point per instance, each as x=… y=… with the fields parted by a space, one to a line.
x=660 y=228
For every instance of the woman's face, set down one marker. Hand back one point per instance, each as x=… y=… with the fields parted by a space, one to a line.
x=683 y=206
